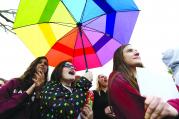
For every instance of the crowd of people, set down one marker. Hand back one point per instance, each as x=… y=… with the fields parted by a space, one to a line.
x=33 y=96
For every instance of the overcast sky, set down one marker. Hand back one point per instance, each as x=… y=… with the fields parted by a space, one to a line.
x=156 y=30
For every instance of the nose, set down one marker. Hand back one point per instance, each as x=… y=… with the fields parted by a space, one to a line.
x=43 y=64
x=136 y=53
x=72 y=67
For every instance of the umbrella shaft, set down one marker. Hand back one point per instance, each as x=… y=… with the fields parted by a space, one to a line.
x=83 y=49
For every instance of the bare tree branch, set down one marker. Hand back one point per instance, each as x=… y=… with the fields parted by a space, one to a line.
x=10 y=11
x=8 y=16
x=7 y=19
x=7 y=28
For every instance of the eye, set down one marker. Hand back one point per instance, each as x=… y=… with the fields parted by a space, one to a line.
x=45 y=63
x=130 y=50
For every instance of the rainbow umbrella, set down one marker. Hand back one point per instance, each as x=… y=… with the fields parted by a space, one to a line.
x=85 y=31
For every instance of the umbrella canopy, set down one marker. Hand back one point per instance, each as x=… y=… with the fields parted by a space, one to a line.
x=84 y=31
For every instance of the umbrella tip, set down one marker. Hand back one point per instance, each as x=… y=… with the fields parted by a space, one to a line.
x=79 y=24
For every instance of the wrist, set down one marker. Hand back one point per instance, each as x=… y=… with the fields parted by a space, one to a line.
x=30 y=89
x=33 y=85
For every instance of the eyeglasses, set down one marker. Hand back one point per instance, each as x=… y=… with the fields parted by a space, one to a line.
x=69 y=66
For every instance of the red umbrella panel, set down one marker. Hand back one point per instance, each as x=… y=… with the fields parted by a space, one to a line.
x=70 y=47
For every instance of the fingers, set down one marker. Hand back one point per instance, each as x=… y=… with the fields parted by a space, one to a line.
x=87 y=106
x=158 y=110
x=83 y=116
x=148 y=110
x=107 y=110
x=34 y=79
x=112 y=115
x=148 y=100
x=40 y=75
x=39 y=78
x=87 y=112
x=36 y=82
x=151 y=103
x=168 y=110
x=164 y=112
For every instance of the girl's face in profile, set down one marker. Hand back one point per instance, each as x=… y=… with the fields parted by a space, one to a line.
x=131 y=56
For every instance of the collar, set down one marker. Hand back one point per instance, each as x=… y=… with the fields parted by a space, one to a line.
x=67 y=87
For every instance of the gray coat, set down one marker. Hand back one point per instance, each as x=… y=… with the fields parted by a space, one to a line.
x=171 y=59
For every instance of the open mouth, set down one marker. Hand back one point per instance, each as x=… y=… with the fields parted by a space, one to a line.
x=72 y=72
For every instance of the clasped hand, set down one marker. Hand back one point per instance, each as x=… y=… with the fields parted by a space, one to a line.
x=156 y=108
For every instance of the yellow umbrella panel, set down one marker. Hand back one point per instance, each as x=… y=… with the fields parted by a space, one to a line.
x=41 y=24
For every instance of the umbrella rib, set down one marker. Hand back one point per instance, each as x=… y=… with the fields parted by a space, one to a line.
x=60 y=23
x=75 y=45
x=92 y=29
x=83 y=49
x=91 y=20
x=95 y=30
x=83 y=12
x=67 y=34
x=106 y=14
x=92 y=46
x=64 y=24
x=86 y=63
x=68 y=11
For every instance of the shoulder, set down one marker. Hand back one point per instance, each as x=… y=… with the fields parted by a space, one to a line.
x=117 y=83
x=115 y=76
x=13 y=82
x=10 y=86
x=117 y=80
x=51 y=86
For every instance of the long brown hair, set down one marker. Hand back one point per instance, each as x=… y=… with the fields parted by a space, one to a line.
x=26 y=77
x=121 y=66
